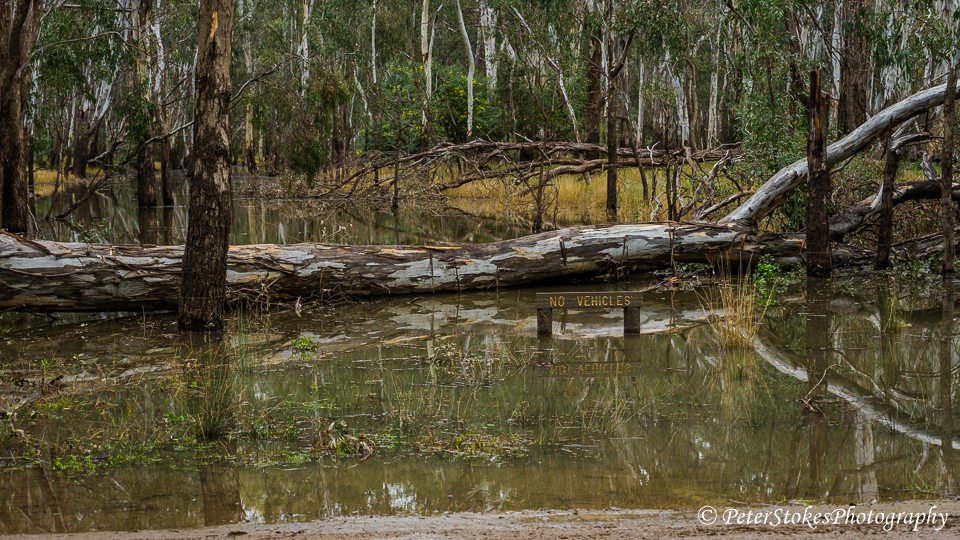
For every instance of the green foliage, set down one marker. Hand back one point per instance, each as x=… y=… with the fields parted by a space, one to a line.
x=400 y=110
x=303 y=345
x=768 y=280
x=98 y=231
x=308 y=151
x=451 y=107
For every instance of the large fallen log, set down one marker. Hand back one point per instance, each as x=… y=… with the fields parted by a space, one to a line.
x=51 y=276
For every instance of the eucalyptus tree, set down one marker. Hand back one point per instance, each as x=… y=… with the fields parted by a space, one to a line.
x=19 y=26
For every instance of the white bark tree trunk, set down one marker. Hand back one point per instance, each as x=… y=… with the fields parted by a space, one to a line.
x=303 y=50
x=488 y=26
x=427 y=61
x=471 y=70
x=713 y=125
x=682 y=108
x=373 y=44
x=639 y=126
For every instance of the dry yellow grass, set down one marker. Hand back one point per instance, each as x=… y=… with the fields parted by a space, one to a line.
x=568 y=198
x=45 y=180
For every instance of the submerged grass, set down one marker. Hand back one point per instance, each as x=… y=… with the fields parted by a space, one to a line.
x=734 y=308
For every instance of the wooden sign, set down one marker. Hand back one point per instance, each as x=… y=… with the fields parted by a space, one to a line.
x=629 y=302
x=589 y=300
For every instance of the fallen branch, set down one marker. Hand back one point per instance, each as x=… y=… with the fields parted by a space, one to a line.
x=771 y=193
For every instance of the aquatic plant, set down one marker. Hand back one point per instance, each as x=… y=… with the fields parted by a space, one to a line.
x=768 y=279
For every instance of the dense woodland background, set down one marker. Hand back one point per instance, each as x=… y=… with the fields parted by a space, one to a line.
x=320 y=85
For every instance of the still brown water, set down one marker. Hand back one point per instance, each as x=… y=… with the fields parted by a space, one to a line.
x=847 y=398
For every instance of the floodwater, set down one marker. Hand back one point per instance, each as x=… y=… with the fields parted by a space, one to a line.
x=846 y=398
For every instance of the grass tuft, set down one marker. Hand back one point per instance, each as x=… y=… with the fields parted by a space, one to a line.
x=735 y=313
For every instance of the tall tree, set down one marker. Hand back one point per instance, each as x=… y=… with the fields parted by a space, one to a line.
x=204 y=278
x=146 y=177
x=615 y=46
x=19 y=25
x=471 y=69
x=819 y=258
x=947 y=210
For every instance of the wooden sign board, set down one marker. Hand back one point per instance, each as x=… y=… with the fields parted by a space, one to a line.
x=589 y=300
x=629 y=302
x=589 y=369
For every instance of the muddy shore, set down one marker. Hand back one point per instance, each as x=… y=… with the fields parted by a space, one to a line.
x=914 y=519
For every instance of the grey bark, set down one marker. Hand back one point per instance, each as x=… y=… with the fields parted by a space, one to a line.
x=48 y=276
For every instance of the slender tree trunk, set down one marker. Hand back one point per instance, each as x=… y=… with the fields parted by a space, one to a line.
x=166 y=183
x=885 y=236
x=426 y=54
x=488 y=25
x=204 y=277
x=612 y=145
x=592 y=118
x=818 y=188
x=471 y=70
x=713 y=117
x=163 y=153
x=146 y=177
x=948 y=212
x=375 y=93
x=250 y=152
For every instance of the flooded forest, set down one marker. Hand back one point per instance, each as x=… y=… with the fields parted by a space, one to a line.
x=273 y=261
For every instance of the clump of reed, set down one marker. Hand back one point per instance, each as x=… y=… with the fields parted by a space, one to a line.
x=735 y=312
x=212 y=390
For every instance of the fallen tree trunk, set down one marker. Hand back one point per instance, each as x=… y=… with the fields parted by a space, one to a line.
x=50 y=276
x=853 y=217
x=791 y=176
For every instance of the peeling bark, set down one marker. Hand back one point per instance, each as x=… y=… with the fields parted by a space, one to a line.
x=204 y=263
x=19 y=26
x=49 y=276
